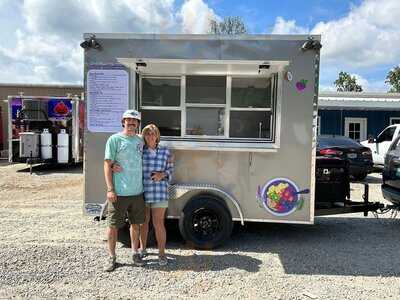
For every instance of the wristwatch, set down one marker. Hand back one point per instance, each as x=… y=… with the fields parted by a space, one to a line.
x=110 y=190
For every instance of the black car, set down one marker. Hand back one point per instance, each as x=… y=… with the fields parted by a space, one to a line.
x=391 y=173
x=359 y=158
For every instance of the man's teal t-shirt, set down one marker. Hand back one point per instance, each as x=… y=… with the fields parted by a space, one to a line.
x=127 y=152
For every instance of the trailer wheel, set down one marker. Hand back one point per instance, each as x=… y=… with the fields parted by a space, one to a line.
x=205 y=222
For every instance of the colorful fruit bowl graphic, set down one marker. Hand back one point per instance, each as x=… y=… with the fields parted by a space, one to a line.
x=281 y=196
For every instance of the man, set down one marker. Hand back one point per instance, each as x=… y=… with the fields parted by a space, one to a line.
x=125 y=188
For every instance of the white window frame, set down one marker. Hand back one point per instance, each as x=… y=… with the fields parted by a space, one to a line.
x=363 y=126
x=206 y=105
x=161 y=108
x=266 y=109
x=318 y=125
x=224 y=141
x=393 y=119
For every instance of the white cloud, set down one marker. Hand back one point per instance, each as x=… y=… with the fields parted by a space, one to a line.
x=45 y=45
x=74 y=17
x=369 y=35
x=361 y=81
x=288 y=27
x=368 y=85
x=364 y=41
x=326 y=88
x=38 y=58
x=45 y=48
x=371 y=85
x=196 y=16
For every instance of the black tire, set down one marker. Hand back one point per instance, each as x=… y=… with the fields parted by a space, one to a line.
x=205 y=222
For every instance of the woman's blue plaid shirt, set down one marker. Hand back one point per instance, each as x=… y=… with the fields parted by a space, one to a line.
x=156 y=191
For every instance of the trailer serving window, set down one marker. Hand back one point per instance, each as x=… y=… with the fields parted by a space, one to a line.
x=251 y=108
x=205 y=106
x=209 y=107
x=160 y=103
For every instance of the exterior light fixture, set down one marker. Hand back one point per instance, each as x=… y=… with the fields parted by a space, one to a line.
x=91 y=43
x=263 y=66
x=311 y=44
x=140 y=65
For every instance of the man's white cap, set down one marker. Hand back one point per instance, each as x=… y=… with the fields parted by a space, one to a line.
x=132 y=114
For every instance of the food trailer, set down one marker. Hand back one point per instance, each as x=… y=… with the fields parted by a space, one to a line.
x=45 y=130
x=238 y=112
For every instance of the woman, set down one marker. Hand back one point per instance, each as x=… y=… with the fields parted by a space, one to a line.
x=157 y=173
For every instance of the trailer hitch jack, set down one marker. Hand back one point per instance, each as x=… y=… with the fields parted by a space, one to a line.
x=366 y=198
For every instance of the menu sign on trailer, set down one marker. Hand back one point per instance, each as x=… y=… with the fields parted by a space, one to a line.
x=108 y=98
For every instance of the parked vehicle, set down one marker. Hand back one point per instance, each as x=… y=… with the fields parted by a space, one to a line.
x=391 y=173
x=358 y=156
x=381 y=144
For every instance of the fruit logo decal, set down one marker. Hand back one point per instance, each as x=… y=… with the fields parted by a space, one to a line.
x=61 y=109
x=301 y=85
x=281 y=196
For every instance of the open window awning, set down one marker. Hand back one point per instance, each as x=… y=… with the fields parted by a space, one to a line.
x=177 y=67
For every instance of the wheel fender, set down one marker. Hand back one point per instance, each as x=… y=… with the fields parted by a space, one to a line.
x=201 y=197
x=185 y=192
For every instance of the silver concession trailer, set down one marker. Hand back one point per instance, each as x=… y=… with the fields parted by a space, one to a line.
x=239 y=113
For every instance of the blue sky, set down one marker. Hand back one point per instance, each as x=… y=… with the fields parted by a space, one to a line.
x=39 y=40
x=260 y=15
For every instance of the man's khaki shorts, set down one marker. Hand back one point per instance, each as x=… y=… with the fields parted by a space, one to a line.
x=131 y=205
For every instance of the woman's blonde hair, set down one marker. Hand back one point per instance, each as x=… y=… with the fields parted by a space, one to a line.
x=148 y=128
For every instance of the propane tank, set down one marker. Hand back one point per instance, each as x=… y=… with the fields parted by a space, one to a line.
x=62 y=147
x=46 y=144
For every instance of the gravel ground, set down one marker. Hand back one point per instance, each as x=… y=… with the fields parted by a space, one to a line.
x=50 y=250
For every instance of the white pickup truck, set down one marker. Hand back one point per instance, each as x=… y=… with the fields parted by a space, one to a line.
x=380 y=145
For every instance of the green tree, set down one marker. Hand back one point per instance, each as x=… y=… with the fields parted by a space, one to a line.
x=229 y=26
x=393 y=78
x=347 y=83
